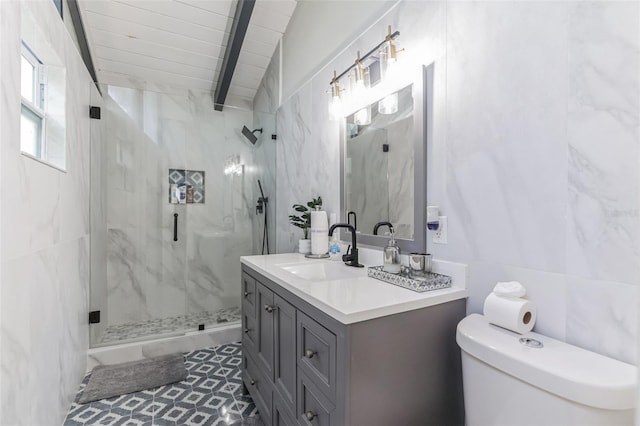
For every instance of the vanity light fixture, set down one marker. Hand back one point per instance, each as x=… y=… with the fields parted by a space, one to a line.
x=362 y=81
x=388 y=58
x=335 y=100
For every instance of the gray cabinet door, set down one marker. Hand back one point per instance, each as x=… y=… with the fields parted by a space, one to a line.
x=258 y=386
x=281 y=414
x=265 y=315
x=285 y=351
x=248 y=294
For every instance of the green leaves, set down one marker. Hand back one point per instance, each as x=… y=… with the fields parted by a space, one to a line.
x=303 y=221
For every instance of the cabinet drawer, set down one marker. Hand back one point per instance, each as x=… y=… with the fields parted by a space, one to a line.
x=259 y=387
x=248 y=294
x=313 y=406
x=316 y=354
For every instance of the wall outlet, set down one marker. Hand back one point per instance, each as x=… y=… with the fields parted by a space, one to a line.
x=440 y=236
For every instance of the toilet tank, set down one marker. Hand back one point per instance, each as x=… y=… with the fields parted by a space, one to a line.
x=507 y=382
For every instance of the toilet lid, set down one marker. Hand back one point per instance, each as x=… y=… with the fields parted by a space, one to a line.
x=568 y=371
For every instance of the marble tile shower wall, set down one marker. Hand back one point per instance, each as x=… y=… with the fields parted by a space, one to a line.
x=534 y=158
x=265 y=105
x=149 y=275
x=45 y=238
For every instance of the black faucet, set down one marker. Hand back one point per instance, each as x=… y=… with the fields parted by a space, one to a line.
x=348 y=259
x=379 y=224
x=355 y=220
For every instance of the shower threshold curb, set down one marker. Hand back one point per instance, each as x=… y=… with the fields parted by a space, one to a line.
x=182 y=342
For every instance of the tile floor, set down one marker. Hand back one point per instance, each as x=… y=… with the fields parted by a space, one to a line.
x=132 y=331
x=211 y=395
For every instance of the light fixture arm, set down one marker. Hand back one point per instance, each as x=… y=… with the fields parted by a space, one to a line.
x=390 y=36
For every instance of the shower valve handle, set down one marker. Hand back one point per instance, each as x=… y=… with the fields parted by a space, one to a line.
x=175 y=227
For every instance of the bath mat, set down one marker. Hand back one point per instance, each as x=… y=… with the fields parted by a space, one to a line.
x=113 y=380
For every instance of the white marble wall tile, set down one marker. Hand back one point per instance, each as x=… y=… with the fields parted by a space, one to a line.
x=506 y=131
x=295 y=166
x=604 y=179
x=45 y=270
x=267 y=97
x=16 y=379
x=265 y=105
x=602 y=316
x=264 y=168
x=126 y=290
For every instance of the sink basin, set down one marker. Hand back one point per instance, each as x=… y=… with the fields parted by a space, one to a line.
x=323 y=271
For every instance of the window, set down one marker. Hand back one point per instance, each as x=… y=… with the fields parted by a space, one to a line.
x=33 y=89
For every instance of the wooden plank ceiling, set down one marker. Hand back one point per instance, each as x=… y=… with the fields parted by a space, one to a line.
x=181 y=43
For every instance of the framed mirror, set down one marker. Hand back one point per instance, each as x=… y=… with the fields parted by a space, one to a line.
x=383 y=165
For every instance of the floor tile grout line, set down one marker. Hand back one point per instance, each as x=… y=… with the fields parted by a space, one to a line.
x=235 y=401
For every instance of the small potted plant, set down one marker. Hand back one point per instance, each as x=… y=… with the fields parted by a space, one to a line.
x=303 y=221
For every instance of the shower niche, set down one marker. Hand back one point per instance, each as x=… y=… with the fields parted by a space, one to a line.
x=186 y=186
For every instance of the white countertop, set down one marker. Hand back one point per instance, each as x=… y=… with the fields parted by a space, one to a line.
x=358 y=297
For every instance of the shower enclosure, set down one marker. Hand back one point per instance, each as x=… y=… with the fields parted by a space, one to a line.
x=173 y=195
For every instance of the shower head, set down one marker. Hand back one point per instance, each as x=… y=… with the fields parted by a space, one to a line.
x=250 y=134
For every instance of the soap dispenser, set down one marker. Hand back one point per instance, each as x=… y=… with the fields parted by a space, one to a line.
x=391 y=257
x=391 y=261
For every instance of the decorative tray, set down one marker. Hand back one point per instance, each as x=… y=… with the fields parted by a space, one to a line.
x=430 y=281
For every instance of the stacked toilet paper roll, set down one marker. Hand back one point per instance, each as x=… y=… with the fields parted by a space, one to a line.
x=507 y=308
x=319 y=232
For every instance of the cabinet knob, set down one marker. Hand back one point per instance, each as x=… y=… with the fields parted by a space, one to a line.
x=246 y=293
x=309 y=353
x=310 y=415
x=253 y=383
x=246 y=330
x=268 y=308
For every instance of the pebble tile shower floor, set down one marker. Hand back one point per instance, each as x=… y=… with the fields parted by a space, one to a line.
x=211 y=395
x=135 y=330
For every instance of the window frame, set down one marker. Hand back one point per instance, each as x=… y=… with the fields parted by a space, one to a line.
x=38 y=106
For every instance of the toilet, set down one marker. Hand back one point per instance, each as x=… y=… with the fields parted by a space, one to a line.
x=513 y=379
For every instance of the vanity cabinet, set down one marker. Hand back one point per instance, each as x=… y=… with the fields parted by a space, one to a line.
x=303 y=367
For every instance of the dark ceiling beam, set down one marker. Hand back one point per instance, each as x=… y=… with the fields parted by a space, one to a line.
x=74 y=12
x=231 y=54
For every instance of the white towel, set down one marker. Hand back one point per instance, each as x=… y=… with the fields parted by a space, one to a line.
x=509 y=289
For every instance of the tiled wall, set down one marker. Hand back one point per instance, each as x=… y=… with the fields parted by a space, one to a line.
x=535 y=159
x=45 y=237
x=150 y=275
x=265 y=104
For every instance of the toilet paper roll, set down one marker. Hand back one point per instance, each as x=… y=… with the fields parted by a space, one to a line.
x=514 y=314
x=319 y=232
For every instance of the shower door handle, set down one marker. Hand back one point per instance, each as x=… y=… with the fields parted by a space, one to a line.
x=175 y=227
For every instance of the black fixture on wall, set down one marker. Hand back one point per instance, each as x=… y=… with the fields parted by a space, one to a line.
x=251 y=134
x=234 y=44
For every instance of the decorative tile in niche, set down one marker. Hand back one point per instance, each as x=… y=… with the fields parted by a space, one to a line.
x=195 y=178
x=194 y=181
